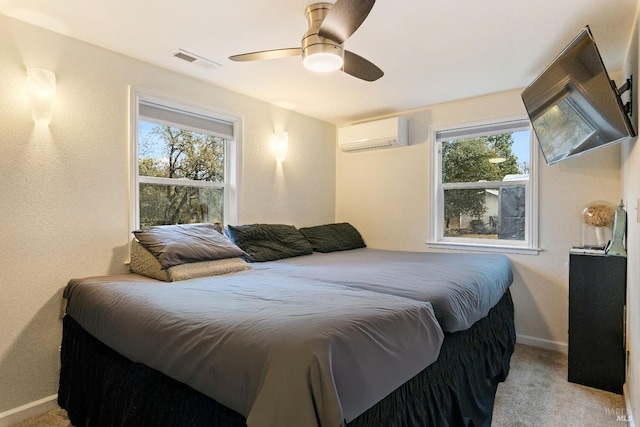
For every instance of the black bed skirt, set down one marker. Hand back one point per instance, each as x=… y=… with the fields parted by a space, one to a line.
x=99 y=387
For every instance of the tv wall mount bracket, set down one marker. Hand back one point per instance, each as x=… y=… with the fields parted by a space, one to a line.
x=627 y=86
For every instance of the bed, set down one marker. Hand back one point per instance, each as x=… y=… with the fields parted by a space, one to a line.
x=348 y=336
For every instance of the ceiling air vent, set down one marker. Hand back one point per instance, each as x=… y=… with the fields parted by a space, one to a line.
x=195 y=59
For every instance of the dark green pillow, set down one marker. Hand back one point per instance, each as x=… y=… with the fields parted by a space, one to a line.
x=269 y=242
x=333 y=237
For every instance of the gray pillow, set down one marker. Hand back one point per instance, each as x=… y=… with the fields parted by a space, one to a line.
x=185 y=243
x=269 y=242
x=333 y=237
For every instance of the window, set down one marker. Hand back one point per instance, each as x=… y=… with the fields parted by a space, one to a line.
x=183 y=164
x=485 y=192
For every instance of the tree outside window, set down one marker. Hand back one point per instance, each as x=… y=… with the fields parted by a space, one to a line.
x=483 y=193
x=479 y=159
x=185 y=162
x=184 y=156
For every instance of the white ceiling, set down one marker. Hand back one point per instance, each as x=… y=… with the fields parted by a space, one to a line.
x=432 y=51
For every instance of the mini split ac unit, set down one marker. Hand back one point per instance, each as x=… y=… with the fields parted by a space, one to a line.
x=373 y=135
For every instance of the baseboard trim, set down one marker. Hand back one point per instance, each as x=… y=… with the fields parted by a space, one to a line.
x=23 y=412
x=539 y=342
x=631 y=419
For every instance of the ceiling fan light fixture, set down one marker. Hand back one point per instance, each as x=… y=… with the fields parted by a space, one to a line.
x=323 y=58
x=322 y=45
x=323 y=62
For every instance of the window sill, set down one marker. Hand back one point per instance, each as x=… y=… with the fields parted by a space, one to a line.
x=484 y=248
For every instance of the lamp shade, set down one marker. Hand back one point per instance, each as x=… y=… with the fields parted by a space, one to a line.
x=41 y=90
x=280 y=146
x=323 y=57
x=323 y=62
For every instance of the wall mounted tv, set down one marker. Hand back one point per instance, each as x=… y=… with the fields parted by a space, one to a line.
x=574 y=106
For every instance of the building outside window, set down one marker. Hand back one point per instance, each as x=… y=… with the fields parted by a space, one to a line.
x=183 y=164
x=485 y=195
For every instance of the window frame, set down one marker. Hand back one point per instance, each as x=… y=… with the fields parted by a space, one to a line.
x=465 y=130
x=233 y=151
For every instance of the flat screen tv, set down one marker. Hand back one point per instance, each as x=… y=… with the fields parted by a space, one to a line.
x=574 y=106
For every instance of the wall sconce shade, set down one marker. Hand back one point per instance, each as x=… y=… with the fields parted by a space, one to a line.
x=280 y=146
x=41 y=90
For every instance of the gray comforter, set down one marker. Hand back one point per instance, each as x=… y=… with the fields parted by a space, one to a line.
x=282 y=351
x=461 y=287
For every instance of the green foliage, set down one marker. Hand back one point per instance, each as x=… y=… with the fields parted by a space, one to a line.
x=170 y=152
x=186 y=154
x=467 y=160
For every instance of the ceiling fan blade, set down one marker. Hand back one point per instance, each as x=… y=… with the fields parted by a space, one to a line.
x=344 y=18
x=361 y=68
x=267 y=54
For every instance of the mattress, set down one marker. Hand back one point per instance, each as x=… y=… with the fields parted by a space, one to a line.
x=101 y=388
x=278 y=350
x=462 y=287
x=311 y=340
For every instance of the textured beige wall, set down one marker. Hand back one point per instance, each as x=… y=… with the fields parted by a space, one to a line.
x=385 y=194
x=64 y=189
x=631 y=192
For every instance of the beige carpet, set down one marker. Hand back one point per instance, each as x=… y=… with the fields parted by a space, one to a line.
x=53 y=418
x=536 y=394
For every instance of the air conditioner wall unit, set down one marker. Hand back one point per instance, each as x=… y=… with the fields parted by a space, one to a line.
x=373 y=135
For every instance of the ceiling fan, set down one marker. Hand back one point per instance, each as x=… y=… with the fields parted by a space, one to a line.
x=322 y=45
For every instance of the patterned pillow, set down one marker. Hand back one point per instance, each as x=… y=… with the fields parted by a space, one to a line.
x=144 y=263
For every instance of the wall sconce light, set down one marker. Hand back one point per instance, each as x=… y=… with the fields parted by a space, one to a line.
x=280 y=145
x=41 y=89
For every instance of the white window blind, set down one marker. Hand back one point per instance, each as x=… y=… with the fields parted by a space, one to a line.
x=185 y=119
x=489 y=129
